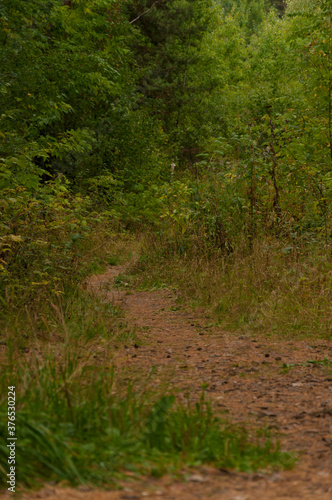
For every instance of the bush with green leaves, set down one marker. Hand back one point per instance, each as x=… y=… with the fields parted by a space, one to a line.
x=68 y=94
x=41 y=241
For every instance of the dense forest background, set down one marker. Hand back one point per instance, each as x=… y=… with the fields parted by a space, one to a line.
x=192 y=138
x=109 y=94
x=207 y=121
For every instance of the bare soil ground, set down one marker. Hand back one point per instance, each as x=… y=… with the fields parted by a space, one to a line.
x=245 y=377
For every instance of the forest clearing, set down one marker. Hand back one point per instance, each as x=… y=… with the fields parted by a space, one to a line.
x=165 y=249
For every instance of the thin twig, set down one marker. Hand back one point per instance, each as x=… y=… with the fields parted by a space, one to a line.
x=143 y=14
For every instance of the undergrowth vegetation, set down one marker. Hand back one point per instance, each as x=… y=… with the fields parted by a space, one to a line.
x=280 y=287
x=76 y=425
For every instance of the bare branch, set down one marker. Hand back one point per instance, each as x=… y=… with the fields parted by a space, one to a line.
x=143 y=14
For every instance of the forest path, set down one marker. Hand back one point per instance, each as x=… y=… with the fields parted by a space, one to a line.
x=244 y=376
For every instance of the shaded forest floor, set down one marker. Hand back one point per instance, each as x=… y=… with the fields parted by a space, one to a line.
x=283 y=384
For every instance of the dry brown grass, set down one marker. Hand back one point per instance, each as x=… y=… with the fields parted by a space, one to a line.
x=275 y=289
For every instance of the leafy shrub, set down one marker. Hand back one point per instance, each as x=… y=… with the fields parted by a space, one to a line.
x=41 y=240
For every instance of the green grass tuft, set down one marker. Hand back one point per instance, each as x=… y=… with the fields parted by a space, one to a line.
x=76 y=425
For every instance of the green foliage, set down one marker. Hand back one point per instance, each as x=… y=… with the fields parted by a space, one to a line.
x=111 y=93
x=168 y=50
x=41 y=242
x=67 y=93
x=250 y=13
x=271 y=143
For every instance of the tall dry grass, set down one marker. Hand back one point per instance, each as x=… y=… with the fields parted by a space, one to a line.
x=276 y=288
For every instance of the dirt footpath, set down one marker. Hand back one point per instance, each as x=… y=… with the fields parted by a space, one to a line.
x=280 y=383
